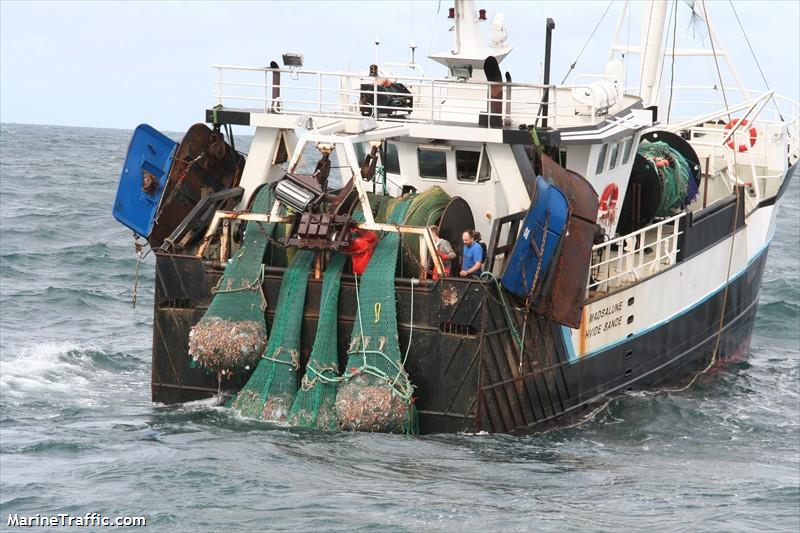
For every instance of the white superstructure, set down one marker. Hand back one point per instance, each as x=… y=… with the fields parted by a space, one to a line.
x=742 y=137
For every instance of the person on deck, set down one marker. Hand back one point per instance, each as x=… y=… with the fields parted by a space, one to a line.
x=472 y=261
x=444 y=249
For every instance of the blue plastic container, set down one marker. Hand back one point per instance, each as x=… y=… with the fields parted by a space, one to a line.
x=144 y=175
x=550 y=209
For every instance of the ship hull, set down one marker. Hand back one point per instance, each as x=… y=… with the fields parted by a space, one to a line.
x=463 y=358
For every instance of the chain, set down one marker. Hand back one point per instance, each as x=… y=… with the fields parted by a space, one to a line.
x=140 y=255
x=541 y=253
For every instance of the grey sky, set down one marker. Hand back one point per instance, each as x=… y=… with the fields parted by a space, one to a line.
x=115 y=64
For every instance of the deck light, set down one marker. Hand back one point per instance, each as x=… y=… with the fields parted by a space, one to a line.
x=293 y=60
x=462 y=73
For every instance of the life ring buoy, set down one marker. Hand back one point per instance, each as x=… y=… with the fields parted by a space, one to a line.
x=608 y=200
x=741 y=147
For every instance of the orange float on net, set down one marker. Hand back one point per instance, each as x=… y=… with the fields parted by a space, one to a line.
x=360 y=250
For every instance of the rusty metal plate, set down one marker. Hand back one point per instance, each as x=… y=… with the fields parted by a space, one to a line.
x=200 y=167
x=564 y=297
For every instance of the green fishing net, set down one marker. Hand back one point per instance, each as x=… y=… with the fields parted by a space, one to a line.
x=314 y=404
x=232 y=333
x=376 y=393
x=271 y=389
x=678 y=186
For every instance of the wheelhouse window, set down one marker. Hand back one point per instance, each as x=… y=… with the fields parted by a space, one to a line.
x=472 y=166
x=614 y=153
x=467 y=165
x=601 y=159
x=392 y=163
x=432 y=163
x=626 y=151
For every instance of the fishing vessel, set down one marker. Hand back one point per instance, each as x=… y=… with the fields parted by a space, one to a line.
x=628 y=222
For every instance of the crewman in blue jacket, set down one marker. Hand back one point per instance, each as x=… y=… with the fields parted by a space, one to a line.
x=472 y=260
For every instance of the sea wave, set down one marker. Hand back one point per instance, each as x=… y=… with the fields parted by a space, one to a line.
x=75 y=399
x=60 y=369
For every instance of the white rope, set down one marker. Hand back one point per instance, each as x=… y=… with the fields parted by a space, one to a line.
x=360 y=323
x=411 y=324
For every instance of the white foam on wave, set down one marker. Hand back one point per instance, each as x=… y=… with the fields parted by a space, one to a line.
x=47 y=368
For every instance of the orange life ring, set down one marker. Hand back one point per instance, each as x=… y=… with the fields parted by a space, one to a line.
x=741 y=147
x=608 y=200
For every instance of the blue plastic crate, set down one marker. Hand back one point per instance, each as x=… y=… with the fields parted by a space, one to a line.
x=150 y=154
x=550 y=209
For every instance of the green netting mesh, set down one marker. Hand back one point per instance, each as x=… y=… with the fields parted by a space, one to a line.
x=375 y=202
x=271 y=389
x=232 y=333
x=678 y=186
x=314 y=404
x=376 y=393
x=426 y=208
x=385 y=209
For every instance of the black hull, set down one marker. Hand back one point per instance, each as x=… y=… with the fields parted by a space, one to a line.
x=463 y=360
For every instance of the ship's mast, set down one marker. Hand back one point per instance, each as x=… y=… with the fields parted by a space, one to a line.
x=654 y=16
x=466 y=29
x=471 y=47
x=652 y=47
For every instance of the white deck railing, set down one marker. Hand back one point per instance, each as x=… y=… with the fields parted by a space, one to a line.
x=337 y=94
x=701 y=115
x=629 y=258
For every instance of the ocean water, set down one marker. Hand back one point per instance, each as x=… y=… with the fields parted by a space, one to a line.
x=78 y=433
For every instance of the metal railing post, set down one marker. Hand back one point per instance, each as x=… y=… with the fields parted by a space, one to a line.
x=319 y=89
x=433 y=99
x=219 y=86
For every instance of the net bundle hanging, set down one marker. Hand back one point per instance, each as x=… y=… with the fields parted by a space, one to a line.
x=232 y=333
x=376 y=393
x=271 y=389
x=313 y=406
x=678 y=186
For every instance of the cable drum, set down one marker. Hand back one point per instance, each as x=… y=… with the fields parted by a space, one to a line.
x=426 y=208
